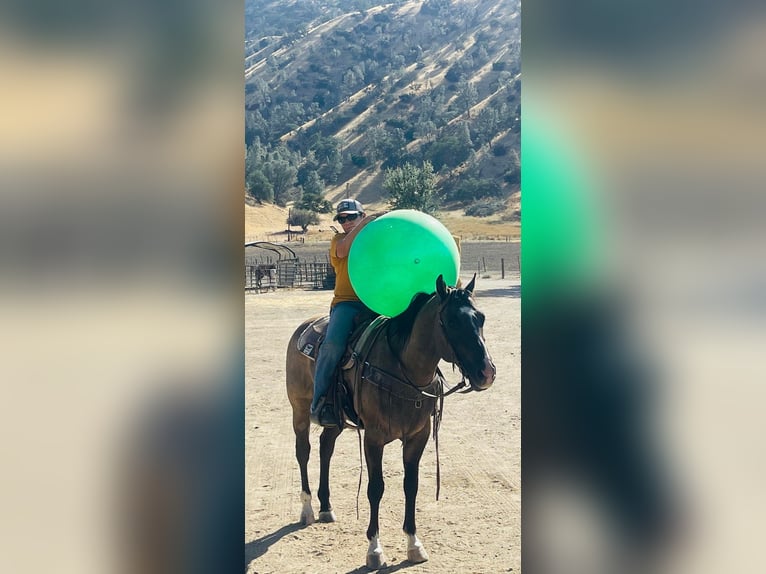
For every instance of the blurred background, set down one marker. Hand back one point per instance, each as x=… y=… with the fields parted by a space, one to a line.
x=121 y=148
x=122 y=159
x=643 y=286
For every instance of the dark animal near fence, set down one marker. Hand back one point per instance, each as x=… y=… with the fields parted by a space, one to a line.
x=260 y=277
x=396 y=401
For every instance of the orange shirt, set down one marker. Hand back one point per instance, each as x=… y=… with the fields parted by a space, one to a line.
x=343 y=289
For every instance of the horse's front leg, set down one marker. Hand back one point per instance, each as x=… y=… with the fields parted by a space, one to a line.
x=326 y=448
x=302 y=452
x=412 y=451
x=373 y=454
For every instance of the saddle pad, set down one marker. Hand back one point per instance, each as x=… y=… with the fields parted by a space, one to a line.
x=314 y=333
x=312 y=336
x=362 y=339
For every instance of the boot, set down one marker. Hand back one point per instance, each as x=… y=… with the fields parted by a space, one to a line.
x=323 y=415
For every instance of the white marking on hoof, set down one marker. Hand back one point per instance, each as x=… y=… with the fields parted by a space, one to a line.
x=375 y=557
x=415 y=551
x=327 y=516
x=307 y=513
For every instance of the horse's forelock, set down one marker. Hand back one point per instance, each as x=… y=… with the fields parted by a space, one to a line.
x=461 y=296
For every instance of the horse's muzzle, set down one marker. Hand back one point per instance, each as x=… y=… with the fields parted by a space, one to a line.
x=485 y=377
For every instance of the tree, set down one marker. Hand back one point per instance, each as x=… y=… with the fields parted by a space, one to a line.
x=328 y=155
x=281 y=175
x=259 y=187
x=302 y=218
x=313 y=195
x=467 y=96
x=412 y=187
x=486 y=125
x=425 y=129
x=473 y=188
x=449 y=151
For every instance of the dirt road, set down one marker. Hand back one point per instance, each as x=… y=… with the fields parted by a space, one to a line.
x=473 y=528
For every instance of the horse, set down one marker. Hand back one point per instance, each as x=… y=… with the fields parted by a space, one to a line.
x=267 y=272
x=395 y=389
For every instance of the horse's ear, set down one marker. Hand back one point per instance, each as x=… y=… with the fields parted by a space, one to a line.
x=471 y=285
x=441 y=287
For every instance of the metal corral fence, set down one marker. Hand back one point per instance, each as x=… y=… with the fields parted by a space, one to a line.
x=307 y=265
x=289 y=273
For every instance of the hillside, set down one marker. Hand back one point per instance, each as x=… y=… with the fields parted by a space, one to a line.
x=267 y=222
x=338 y=91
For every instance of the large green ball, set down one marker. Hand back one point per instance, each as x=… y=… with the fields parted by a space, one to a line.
x=399 y=255
x=562 y=231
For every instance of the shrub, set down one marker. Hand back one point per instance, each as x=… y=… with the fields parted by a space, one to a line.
x=302 y=218
x=472 y=189
x=512 y=176
x=359 y=107
x=484 y=208
x=359 y=160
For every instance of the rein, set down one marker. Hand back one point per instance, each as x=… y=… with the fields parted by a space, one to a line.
x=439 y=382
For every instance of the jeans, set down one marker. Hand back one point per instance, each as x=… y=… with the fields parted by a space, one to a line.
x=338 y=331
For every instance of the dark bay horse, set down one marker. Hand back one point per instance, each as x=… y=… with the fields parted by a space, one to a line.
x=393 y=396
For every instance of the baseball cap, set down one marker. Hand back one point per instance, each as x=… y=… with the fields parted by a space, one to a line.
x=348 y=206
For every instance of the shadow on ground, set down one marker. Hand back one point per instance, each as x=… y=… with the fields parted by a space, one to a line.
x=258 y=547
x=386 y=570
x=514 y=291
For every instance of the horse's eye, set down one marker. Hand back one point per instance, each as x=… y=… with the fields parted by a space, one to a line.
x=480 y=319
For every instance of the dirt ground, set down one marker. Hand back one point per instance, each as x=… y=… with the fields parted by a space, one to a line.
x=475 y=527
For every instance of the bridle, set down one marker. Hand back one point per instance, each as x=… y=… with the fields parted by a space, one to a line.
x=451 y=345
x=438 y=383
x=439 y=380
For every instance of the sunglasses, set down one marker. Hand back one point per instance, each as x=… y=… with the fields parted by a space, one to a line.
x=349 y=217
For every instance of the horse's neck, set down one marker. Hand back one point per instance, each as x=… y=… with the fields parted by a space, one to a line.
x=421 y=354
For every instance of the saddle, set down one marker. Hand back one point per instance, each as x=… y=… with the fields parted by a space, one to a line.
x=367 y=327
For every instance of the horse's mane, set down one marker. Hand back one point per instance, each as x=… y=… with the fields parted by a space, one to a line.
x=400 y=326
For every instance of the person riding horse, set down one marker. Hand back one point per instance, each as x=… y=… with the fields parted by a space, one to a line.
x=344 y=308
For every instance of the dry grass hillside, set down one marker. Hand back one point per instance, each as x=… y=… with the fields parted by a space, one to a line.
x=268 y=223
x=351 y=89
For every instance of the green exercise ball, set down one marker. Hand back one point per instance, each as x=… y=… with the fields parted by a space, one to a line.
x=562 y=233
x=399 y=255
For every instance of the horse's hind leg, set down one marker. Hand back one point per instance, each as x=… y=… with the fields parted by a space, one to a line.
x=302 y=451
x=326 y=448
x=411 y=452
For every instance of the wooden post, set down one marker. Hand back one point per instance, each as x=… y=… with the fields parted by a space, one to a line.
x=502 y=268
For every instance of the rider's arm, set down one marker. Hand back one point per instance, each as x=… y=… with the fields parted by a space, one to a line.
x=343 y=246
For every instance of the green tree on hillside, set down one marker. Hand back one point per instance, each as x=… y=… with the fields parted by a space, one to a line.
x=302 y=218
x=412 y=187
x=281 y=175
x=257 y=184
x=467 y=96
x=313 y=195
x=449 y=151
x=259 y=187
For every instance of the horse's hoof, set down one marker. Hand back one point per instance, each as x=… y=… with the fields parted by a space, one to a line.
x=417 y=555
x=307 y=513
x=307 y=518
x=376 y=561
x=327 y=516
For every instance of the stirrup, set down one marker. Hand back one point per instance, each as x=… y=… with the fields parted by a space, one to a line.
x=324 y=415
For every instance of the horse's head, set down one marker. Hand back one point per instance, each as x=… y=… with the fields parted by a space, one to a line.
x=462 y=324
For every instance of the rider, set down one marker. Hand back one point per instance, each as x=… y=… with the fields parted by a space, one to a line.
x=344 y=308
